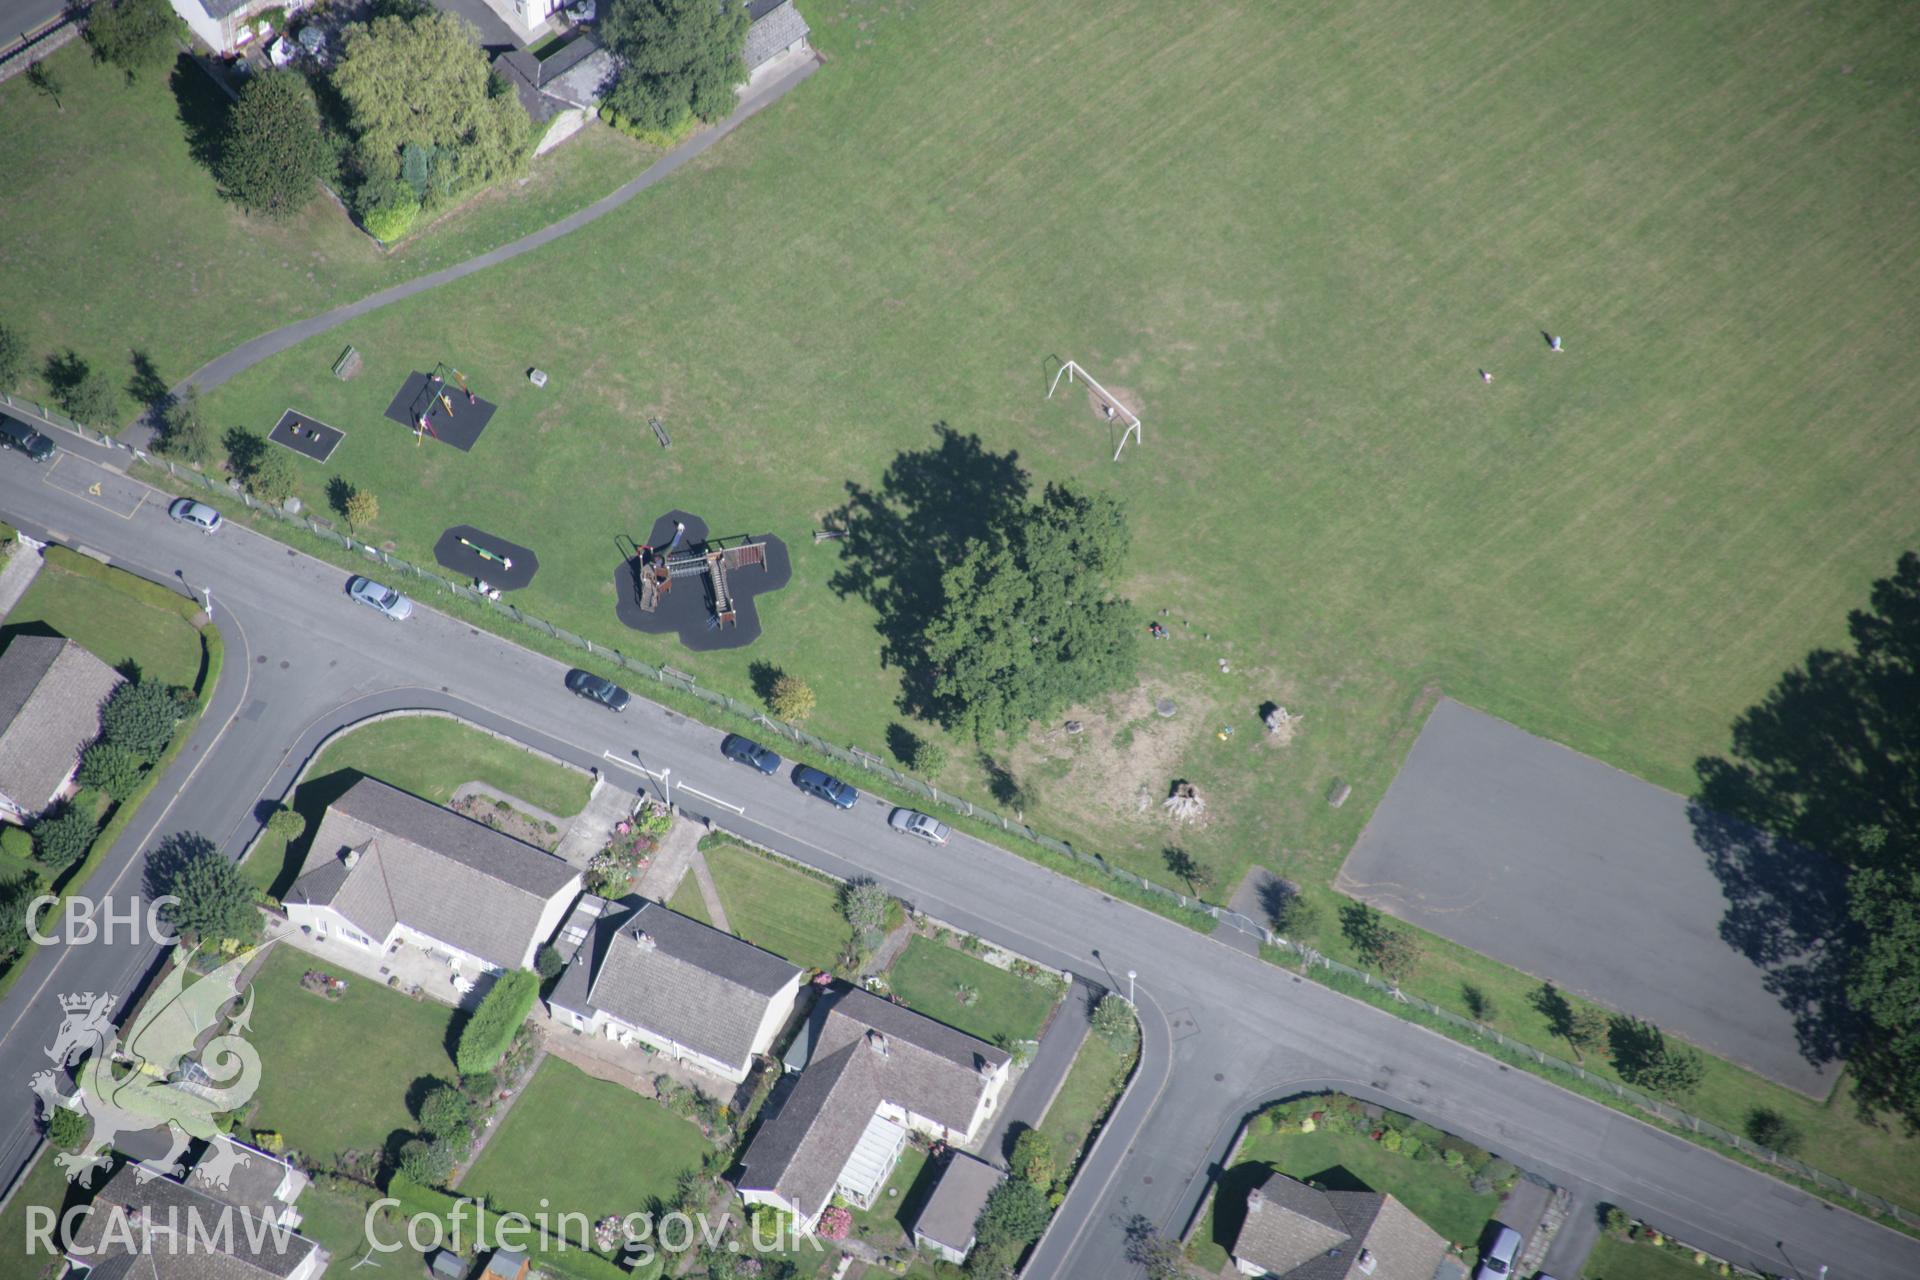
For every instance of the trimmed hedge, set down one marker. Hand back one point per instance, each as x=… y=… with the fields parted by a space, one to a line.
x=484 y=1040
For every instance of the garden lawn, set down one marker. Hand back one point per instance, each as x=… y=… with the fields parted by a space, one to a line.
x=1613 y=1259
x=1086 y=1095
x=334 y=1074
x=928 y=976
x=572 y=1143
x=690 y=902
x=1437 y=1195
x=46 y=1187
x=110 y=624
x=898 y=1205
x=427 y=755
x=776 y=906
x=118 y=242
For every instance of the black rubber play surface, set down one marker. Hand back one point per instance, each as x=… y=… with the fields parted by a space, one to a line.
x=459 y=426
x=306 y=437
x=456 y=552
x=687 y=609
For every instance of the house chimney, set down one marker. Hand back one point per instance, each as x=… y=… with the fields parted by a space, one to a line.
x=877 y=1042
x=350 y=856
x=644 y=940
x=1367 y=1262
x=1255 y=1198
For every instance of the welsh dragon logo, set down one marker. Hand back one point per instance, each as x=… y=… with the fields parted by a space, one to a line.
x=161 y=1076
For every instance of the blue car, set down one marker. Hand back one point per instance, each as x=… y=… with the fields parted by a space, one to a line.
x=825 y=785
x=750 y=753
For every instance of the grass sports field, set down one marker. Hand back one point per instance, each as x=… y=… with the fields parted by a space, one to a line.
x=1292 y=237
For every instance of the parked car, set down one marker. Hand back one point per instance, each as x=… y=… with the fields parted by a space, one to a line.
x=1496 y=1259
x=598 y=689
x=198 y=514
x=829 y=788
x=750 y=753
x=385 y=599
x=914 y=823
x=15 y=434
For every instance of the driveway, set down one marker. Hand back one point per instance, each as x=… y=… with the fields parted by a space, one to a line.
x=1569 y=869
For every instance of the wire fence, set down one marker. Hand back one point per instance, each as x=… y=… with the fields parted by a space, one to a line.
x=925 y=790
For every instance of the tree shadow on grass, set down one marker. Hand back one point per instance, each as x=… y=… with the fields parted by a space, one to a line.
x=201 y=108
x=904 y=534
x=64 y=372
x=148 y=387
x=1816 y=770
x=310 y=802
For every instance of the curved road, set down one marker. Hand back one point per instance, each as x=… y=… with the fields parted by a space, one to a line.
x=1222 y=1028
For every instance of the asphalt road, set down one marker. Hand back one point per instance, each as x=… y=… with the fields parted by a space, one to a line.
x=1222 y=1029
x=22 y=17
x=1570 y=869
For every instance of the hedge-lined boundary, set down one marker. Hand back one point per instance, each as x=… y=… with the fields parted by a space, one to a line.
x=212 y=659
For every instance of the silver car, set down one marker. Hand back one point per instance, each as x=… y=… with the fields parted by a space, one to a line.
x=1496 y=1259
x=914 y=823
x=197 y=514
x=385 y=599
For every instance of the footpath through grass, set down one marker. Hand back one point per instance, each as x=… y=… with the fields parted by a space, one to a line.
x=430 y=756
x=574 y=1144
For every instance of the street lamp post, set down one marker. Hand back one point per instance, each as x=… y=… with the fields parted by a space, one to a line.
x=1131 y=975
x=208 y=593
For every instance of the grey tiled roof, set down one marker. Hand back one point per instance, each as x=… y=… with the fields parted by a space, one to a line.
x=1296 y=1231
x=451 y=878
x=254 y=1184
x=773 y=29
x=928 y=1068
x=167 y=1206
x=694 y=985
x=957 y=1199
x=50 y=695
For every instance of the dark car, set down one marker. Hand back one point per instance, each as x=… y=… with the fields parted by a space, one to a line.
x=598 y=689
x=750 y=753
x=15 y=434
x=829 y=788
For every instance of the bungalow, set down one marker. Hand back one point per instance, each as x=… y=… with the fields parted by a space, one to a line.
x=774 y=27
x=874 y=1070
x=227 y=25
x=945 y=1224
x=648 y=975
x=51 y=692
x=560 y=91
x=1296 y=1232
x=145 y=1226
x=386 y=867
x=264 y=1184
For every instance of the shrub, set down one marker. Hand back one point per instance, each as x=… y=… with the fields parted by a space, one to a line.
x=287 y=824
x=1113 y=1021
x=1412 y=1148
x=214 y=901
x=1034 y=1158
x=272 y=478
x=489 y=1032
x=114 y=770
x=1392 y=1140
x=66 y=1128
x=866 y=906
x=929 y=758
x=1616 y=1220
x=183 y=429
x=547 y=962
x=393 y=217
x=141 y=716
x=15 y=842
x=1771 y=1129
x=1452 y=1159
x=428 y=1163
x=1016 y=1213
x=62 y=840
x=835 y=1222
x=446 y=1113
x=1500 y=1173
x=792 y=699
x=269 y=1141
x=134 y=35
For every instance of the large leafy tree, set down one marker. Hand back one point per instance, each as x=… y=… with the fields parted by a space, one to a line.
x=134 y=35
x=424 y=107
x=677 y=58
x=1813 y=826
x=1029 y=622
x=271 y=152
x=216 y=904
x=141 y=716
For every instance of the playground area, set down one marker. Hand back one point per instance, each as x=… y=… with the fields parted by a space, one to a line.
x=441 y=405
x=702 y=588
x=308 y=437
x=479 y=555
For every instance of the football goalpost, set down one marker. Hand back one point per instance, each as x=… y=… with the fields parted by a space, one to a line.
x=1109 y=406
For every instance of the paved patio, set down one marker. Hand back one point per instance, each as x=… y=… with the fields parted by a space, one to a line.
x=403 y=966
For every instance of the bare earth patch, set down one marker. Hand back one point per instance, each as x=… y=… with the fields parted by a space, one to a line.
x=1123 y=759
